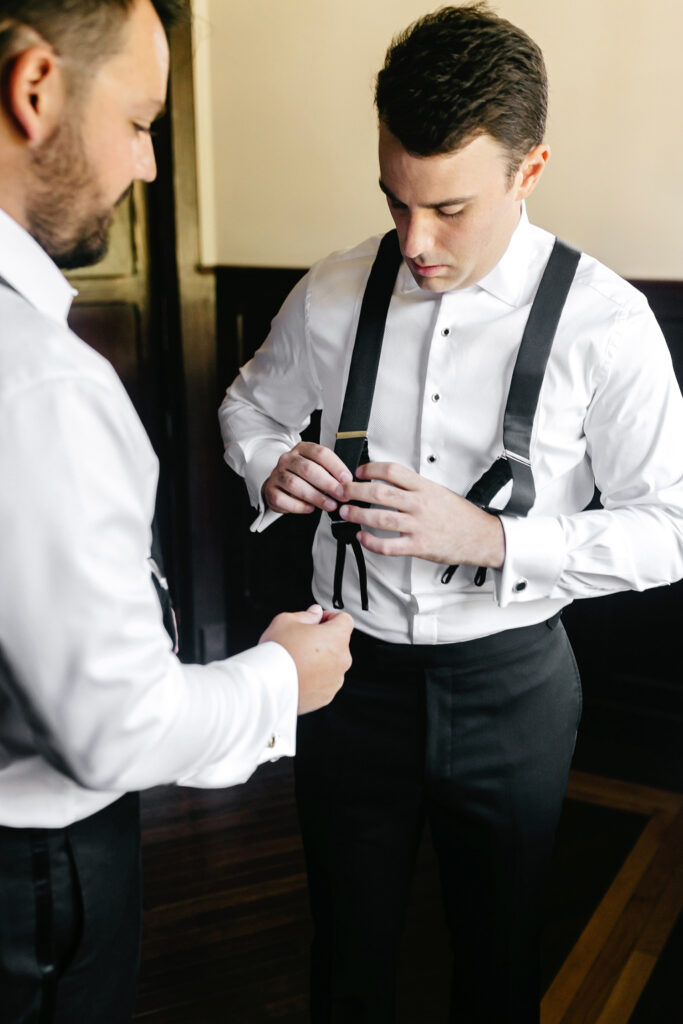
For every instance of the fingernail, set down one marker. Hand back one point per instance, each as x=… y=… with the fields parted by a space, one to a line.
x=330 y=505
x=343 y=511
x=339 y=491
x=345 y=477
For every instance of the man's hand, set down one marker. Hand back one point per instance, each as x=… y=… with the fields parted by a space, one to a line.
x=307 y=477
x=319 y=643
x=434 y=523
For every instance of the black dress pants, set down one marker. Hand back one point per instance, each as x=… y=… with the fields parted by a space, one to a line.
x=476 y=737
x=70 y=919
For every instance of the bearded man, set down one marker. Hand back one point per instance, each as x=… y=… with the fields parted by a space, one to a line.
x=94 y=704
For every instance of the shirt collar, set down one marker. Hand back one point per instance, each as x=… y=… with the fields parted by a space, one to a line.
x=29 y=270
x=508 y=281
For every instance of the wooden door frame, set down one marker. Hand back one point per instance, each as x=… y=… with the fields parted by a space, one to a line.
x=191 y=501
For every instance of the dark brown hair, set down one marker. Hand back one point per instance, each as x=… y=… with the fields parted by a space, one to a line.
x=459 y=73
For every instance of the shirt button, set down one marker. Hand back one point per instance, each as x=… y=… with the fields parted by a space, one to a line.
x=272 y=741
x=436 y=398
x=431 y=458
x=520 y=585
x=445 y=331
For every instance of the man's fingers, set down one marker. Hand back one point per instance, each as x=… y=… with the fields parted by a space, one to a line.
x=378 y=493
x=341 y=622
x=306 y=480
x=376 y=518
x=392 y=472
x=307 y=477
x=280 y=501
x=330 y=614
x=326 y=458
x=403 y=545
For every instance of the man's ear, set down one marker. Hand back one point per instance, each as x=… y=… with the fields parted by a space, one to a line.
x=530 y=170
x=36 y=92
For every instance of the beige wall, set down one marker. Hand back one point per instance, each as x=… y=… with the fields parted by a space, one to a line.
x=287 y=133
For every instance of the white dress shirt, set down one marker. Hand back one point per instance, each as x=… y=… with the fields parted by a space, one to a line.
x=610 y=413
x=92 y=700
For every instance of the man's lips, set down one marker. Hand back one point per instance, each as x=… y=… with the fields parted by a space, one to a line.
x=427 y=271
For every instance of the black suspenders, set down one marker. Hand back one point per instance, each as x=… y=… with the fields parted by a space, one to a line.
x=352 y=437
x=525 y=387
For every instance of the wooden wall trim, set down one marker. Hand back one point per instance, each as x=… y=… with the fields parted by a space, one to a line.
x=191 y=317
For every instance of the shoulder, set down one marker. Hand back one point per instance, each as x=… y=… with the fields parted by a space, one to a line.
x=606 y=291
x=601 y=292
x=345 y=268
x=36 y=351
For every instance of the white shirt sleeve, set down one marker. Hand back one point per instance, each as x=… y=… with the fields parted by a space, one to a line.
x=259 y=422
x=107 y=701
x=633 y=430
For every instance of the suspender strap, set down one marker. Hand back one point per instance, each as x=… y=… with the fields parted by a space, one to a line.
x=360 y=388
x=525 y=390
x=351 y=442
x=527 y=377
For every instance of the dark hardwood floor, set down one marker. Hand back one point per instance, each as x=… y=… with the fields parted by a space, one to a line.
x=227 y=929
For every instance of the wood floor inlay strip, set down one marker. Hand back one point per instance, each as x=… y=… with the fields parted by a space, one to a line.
x=626 y=993
x=578 y=964
x=624 y=796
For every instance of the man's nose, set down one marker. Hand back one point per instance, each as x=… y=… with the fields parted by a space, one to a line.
x=146 y=169
x=419 y=236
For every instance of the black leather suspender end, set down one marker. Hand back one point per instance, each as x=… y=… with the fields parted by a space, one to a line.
x=351 y=444
x=520 y=410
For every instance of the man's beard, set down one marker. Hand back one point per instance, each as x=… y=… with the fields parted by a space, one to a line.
x=66 y=214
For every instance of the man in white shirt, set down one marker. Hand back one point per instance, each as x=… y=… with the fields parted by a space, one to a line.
x=94 y=704
x=464 y=699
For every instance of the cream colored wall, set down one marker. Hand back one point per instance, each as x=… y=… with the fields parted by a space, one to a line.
x=287 y=133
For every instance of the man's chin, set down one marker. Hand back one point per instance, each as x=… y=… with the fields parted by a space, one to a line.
x=85 y=250
x=84 y=254
x=435 y=284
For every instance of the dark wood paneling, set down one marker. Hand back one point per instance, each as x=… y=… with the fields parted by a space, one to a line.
x=113 y=329
x=268 y=572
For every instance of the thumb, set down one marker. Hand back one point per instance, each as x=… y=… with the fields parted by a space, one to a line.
x=341 y=621
x=312 y=615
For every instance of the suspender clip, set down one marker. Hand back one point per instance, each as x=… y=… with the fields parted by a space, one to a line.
x=516 y=458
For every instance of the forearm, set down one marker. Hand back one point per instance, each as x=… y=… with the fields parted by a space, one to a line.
x=591 y=553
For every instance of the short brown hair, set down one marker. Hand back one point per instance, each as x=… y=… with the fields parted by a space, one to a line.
x=459 y=73
x=89 y=29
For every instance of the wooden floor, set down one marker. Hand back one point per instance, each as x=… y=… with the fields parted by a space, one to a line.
x=227 y=930
x=606 y=971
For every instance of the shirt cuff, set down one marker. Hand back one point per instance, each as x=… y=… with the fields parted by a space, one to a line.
x=534 y=558
x=259 y=467
x=276 y=673
x=265 y=518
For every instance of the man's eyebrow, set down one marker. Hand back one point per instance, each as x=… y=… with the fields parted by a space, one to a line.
x=458 y=201
x=155 y=109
